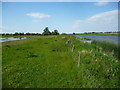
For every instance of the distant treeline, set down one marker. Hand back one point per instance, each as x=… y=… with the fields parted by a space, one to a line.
x=104 y=32
x=45 y=32
x=19 y=33
x=98 y=32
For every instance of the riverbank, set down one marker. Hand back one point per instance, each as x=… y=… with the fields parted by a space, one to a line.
x=58 y=62
x=101 y=34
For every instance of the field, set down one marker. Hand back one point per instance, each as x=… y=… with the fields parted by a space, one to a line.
x=59 y=62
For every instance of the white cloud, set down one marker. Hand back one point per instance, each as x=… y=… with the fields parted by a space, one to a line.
x=101 y=3
x=106 y=21
x=38 y=15
x=106 y=16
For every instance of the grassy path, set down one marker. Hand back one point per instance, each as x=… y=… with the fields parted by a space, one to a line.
x=52 y=62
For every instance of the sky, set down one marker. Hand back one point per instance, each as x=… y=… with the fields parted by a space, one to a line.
x=66 y=17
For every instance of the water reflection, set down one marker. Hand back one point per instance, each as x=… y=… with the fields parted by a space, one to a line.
x=3 y=39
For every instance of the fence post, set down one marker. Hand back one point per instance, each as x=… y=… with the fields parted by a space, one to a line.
x=79 y=59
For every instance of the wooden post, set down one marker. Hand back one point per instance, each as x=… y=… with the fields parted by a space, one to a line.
x=66 y=42
x=79 y=54
x=112 y=53
x=73 y=48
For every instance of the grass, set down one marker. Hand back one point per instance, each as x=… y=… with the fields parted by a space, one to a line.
x=109 y=48
x=52 y=62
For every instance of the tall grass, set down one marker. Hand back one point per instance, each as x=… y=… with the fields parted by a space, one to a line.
x=108 y=47
x=99 y=63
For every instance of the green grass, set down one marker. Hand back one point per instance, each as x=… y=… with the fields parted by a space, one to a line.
x=108 y=47
x=49 y=62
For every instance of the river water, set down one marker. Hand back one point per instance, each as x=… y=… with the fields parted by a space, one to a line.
x=111 y=39
x=3 y=39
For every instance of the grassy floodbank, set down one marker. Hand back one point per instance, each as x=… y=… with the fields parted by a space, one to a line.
x=58 y=61
x=101 y=34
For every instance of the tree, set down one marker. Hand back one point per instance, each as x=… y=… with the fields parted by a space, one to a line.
x=55 y=32
x=64 y=34
x=21 y=33
x=73 y=33
x=27 y=33
x=16 y=33
x=46 y=31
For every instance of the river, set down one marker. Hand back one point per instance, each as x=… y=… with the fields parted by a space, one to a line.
x=3 y=39
x=111 y=39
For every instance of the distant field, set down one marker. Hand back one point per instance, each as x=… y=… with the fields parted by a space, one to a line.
x=59 y=62
x=102 y=34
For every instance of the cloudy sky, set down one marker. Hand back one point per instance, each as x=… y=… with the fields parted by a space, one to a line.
x=67 y=17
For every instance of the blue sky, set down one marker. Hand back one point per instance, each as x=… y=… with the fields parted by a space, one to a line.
x=67 y=17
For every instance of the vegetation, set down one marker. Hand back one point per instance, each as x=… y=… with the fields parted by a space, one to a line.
x=59 y=62
x=73 y=33
x=101 y=33
x=18 y=34
x=46 y=31
x=109 y=47
x=55 y=32
x=64 y=34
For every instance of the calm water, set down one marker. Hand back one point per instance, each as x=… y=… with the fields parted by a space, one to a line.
x=3 y=39
x=112 y=39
